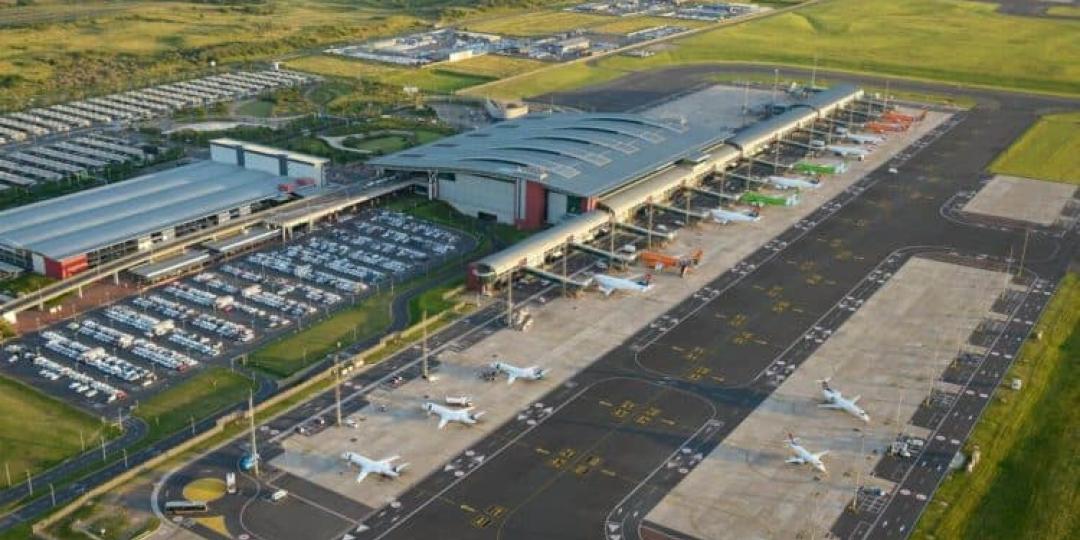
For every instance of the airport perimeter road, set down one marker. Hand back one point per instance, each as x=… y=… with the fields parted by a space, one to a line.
x=583 y=470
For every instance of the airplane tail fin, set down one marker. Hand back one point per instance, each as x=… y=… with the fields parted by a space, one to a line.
x=855 y=399
x=442 y=423
x=476 y=416
x=399 y=468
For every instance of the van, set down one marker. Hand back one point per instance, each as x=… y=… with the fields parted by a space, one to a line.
x=278 y=495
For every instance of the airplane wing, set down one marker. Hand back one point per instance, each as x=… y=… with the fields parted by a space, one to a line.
x=360 y=477
x=821 y=454
x=829 y=406
x=391 y=458
x=442 y=422
x=855 y=399
x=796 y=460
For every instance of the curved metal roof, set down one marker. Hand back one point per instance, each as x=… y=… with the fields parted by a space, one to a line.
x=575 y=153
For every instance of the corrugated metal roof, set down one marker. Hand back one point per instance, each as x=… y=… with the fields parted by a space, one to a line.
x=579 y=154
x=99 y=217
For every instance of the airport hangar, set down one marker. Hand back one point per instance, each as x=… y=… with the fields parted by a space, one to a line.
x=580 y=172
x=64 y=236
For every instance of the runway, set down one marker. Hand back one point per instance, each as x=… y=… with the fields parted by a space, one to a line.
x=591 y=458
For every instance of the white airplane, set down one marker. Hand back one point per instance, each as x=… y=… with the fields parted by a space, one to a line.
x=864 y=138
x=848 y=151
x=835 y=400
x=805 y=457
x=793 y=182
x=609 y=284
x=449 y=414
x=513 y=373
x=370 y=466
x=724 y=217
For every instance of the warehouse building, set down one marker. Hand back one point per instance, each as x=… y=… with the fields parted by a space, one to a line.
x=66 y=235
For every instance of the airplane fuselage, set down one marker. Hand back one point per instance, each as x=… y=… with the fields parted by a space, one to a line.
x=447 y=414
x=609 y=284
x=532 y=373
x=791 y=182
x=728 y=216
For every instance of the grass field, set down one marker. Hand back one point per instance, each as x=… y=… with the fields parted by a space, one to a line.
x=432 y=79
x=297 y=351
x=1050 y=150
x=493 y=66
x=385 y=144
x=148 y=41
x=537 y=23
x=1026 y=485
x=37 y=431
x=198 y=397
x=433 y=301
x=947 y=40
x=257 y=107
x=1064 y=11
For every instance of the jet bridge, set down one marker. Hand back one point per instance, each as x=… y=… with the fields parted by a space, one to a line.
x=717 y=194
x=551 y=276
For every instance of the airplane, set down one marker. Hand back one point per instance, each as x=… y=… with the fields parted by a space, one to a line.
x=369 y=466
x=793 y=182
x=513 y=373
x=835 y=400
x=724 y=217
x=449 y=414
x=805 y=457
x=864 y=138
x=609 y=284
x=848 y=151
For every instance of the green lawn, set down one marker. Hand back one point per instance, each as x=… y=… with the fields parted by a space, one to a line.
x=385 y=144
x=38 y=431
x=492 y=66
x=1026 y=485
x=258 y=108
x=948 y=40
x=424 y=136
x=1050 y=150
x=297 y=351
x=432 y=301
x=198 y=397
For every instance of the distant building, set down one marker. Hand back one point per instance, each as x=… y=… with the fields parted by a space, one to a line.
x=570 y=46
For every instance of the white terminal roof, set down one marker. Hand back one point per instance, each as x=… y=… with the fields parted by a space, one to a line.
x=92 y=219
x=578 y=154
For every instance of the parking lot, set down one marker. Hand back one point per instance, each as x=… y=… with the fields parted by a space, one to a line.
x=141 y=344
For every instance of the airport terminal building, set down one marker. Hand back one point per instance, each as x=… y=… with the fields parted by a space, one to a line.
x=538 y=169
x=580 y=171
x=64 y=236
